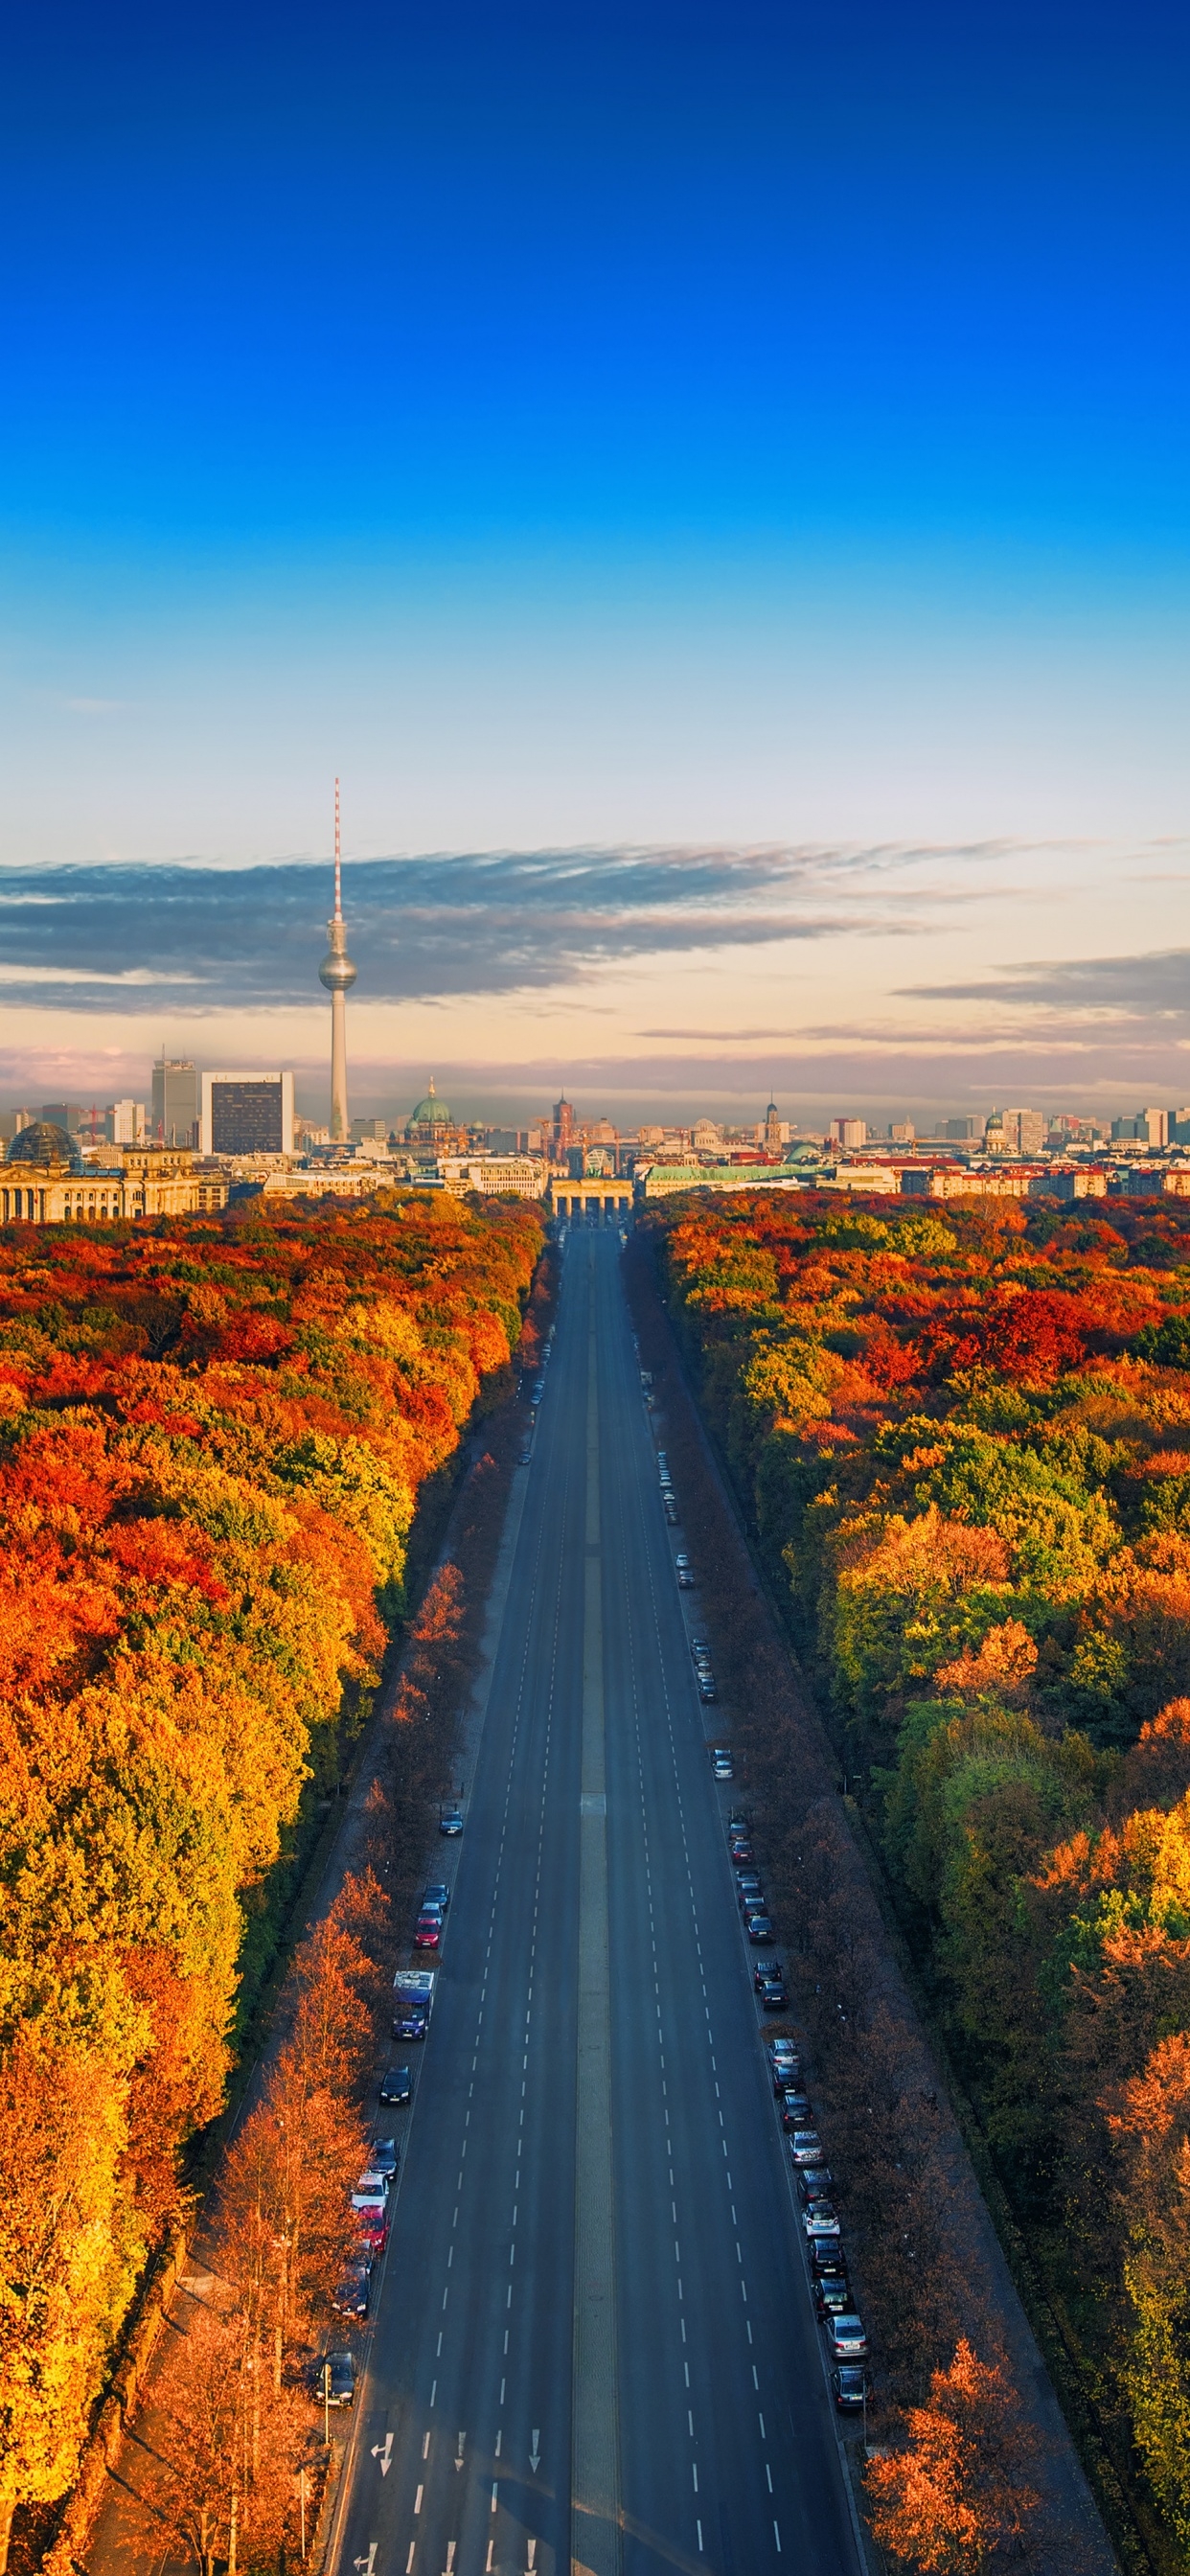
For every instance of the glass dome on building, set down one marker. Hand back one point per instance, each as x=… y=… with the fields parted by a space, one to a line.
x=44 y=1143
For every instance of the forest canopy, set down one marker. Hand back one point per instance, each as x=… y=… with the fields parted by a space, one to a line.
x=963 y=1443
x=212 y=1438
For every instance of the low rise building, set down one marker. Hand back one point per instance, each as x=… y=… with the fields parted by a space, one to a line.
x=44 y=1181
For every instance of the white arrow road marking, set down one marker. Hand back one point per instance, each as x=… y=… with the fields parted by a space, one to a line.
x=383 y=2451
x=532 y=2555
x=451 y=2547
x=535 y=2457
x=459 y=2452
x=369 y=2562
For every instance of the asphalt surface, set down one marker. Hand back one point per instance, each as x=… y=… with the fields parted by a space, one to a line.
x=593 y=2341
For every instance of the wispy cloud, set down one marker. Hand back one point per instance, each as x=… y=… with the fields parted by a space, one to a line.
x=431 y=928
x=1112 y=989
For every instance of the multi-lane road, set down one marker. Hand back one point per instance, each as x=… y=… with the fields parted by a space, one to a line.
x=593 y=2341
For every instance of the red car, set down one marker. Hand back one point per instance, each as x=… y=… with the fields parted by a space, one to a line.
x=428 y=1935
x=371 y=2232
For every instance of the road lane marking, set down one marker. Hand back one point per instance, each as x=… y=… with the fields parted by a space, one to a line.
x=425 y=2448
x=409 y=2560
x=417 y=2499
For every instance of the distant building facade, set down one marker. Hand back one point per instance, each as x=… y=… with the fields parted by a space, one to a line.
x=175 y=1102
x=47 y=1183
x=246 y=1113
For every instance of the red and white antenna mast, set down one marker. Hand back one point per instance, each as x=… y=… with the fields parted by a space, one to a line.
x=338 y=861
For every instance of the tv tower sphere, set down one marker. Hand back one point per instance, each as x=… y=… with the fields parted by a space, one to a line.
x=338 y=975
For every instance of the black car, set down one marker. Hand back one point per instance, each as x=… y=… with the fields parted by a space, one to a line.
x=524 y=1457
x=382 y=2156
x=795 y=2109
x=813 y=2185
x=774 y=1997
x=437 y=1893
x=832 y=2289
x=766 y=1973
x=749 y=1888
x=849 y=2384
x=341 y=2366
x=707 y=1689
x=760 y=1931
x=351 y=2297
x=395 y=2085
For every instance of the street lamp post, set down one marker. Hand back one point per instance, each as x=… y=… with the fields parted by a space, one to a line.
x=326 y=2403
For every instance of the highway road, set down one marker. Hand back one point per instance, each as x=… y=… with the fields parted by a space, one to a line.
x=593 y=2342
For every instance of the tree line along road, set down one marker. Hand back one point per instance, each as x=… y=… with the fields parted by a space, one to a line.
x=593 y=2344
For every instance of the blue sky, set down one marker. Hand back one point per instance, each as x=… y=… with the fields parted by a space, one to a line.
x=740 y=427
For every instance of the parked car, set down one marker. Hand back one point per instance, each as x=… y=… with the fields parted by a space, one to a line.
x=437 y=1893
x=832 y=2298
x=351 y=2296
x=783 y=2052
x=341 y=2366
x=849 y=2387
x=724 y=1769
x=760 y=1930
x=671 y=1510
x=826 y=2259
x=764 y=1971
x=805 y=2147
x=774 y=1995
x=371 y=2191
x=741 y=1851
x=371 y=2232
x=708 y=1691
x=795 y=2109
x=395 y=2085
x=428 y=1932
x=749 y=1885
x=813 y=2183
x=848 y=2342
x=821 y=2221
x=450 y=1821
x=382 y=2156
x=524 y=1457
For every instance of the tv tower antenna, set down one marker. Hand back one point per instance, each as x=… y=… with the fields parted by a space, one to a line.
x=338 y=975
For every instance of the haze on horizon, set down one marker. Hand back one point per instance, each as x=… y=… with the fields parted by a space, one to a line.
x=711 y=481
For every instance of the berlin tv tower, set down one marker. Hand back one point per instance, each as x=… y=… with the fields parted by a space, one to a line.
x=338 y=975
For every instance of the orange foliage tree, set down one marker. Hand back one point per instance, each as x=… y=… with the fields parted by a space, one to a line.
x=213 y=1437
x=957 y=2491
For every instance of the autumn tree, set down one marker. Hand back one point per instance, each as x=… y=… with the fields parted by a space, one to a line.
x=956 y=2493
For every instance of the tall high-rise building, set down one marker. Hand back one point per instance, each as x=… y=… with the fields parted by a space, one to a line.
x=175 y=1102
x=772 y=1129
x=247 y=1113
x=338 y=975
x=563 y=1127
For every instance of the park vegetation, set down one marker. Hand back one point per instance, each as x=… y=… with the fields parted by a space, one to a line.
x=213 y=1435
x=962 y=1442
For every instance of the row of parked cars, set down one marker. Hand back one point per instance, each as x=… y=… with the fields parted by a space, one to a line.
x=833 y=2300
x=669 y=1502
x=335 y=2376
